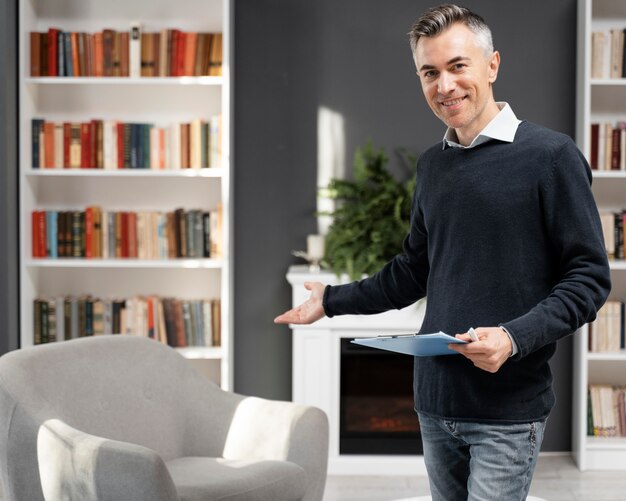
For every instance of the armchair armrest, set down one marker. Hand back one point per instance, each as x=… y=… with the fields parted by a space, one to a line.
x=77 y=465
x=266 y=429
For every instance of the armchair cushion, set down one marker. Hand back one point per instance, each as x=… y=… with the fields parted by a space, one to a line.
x=236 y=480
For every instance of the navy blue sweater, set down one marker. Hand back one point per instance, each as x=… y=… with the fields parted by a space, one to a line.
x=501 y=234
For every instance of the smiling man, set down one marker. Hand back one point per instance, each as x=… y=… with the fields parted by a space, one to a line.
x=458 y=88
x=504 y=237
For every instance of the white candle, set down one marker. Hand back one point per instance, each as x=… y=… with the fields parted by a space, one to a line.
x=315 y=247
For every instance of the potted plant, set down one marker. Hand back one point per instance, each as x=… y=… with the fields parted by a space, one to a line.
x=372 y=214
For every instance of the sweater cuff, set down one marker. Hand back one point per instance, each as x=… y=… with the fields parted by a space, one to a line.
x=327 y=311
x=517 y=331
x=513 y=343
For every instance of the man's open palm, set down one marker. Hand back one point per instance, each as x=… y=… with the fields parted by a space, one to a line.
x=308 y=312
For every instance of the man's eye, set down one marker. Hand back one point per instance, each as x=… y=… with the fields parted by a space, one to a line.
x=429 y=74
x=458 y=66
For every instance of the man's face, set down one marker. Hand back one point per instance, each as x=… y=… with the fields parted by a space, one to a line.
x=456 y=78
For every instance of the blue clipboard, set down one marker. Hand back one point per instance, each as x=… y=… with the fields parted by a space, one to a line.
x=419 y=345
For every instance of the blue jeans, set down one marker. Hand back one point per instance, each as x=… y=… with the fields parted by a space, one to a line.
x=479 y=461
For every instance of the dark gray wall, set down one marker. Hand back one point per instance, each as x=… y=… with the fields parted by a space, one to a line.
x=8 y=178
x=293 y=56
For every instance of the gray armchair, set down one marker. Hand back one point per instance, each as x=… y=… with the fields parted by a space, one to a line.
x=127 y=418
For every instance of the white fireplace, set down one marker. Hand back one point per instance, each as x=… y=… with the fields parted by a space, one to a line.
x=316 y=371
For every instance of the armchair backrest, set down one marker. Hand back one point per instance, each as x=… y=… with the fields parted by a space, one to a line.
x=125 y=388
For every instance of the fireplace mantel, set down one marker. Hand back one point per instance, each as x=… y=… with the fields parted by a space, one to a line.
x=316 y=369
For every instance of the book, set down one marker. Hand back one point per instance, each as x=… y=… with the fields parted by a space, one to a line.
x=617 y=48
x=207 y=319
x=624 y=53
x=189 y=60
x=51 y=234
x=59 y=309
x=98 y=55
x=53 y=52
x=216 y=319
x=124 y=49
x=52 y=321
x=164 y=57
x=181 y=338
x=69 y=64
x=49 y=156
x=215 y=141
x=37 y=319
x=37 y=125
x=203 y=48
x=148 y=60
x=215 y=232
x=35 y=53
x=58 y=145
x=161 y=333
x=215 y=60
x=108 y=37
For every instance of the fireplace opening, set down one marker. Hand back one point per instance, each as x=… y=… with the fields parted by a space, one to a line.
x=376 y=402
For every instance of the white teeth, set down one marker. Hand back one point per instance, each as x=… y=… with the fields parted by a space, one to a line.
x=452 y=103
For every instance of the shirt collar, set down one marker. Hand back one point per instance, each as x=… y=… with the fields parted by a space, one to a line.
x=502 y=128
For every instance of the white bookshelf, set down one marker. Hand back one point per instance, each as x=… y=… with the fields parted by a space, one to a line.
x=159 y=100
x=599 y=100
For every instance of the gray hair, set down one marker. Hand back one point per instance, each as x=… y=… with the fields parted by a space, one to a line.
x=437 y=19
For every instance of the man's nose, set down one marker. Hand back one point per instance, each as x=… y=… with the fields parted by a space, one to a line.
x=446 y=83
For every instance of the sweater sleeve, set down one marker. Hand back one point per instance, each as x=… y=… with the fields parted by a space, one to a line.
x=401 y=282
x=573 y=224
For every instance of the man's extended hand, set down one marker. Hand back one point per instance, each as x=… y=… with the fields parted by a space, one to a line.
x=308 y=312
x=492 y=349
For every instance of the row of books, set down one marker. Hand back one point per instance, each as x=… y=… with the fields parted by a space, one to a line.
x=133 y=53
x=177 y=322
x=97 y=233
x=613 y=230
x=608 y=146
x=606 y=333
x=608 y=58
x=606 y=411
x=110 y=144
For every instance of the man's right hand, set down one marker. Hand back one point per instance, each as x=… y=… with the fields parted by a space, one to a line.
x=308 y=312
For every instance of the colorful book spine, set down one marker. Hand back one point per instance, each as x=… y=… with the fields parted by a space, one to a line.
x=174 y=321
x=108 y=144
x=94 y=233
x=133 y=53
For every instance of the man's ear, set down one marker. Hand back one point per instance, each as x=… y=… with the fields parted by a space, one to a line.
x=494 y=65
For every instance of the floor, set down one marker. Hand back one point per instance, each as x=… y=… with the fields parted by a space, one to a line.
x=556 y=479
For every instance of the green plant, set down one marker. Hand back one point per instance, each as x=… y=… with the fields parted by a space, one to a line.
x=372 y=214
